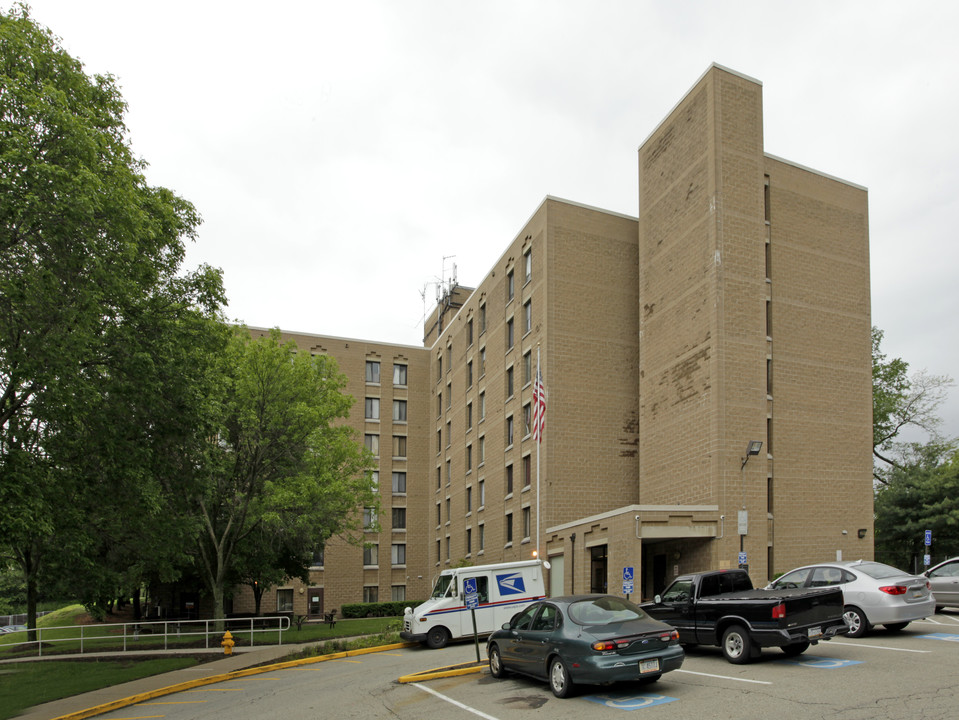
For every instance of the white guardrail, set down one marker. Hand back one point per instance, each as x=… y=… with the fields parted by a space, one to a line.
x=131 y=633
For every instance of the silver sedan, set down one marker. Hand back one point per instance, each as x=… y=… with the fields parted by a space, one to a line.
x=873 y=593
x=944 y=579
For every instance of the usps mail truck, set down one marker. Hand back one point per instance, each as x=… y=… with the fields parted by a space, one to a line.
x=497 y=591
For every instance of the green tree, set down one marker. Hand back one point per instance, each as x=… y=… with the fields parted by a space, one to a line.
x=920 y=493
x=899 y=402
x=90 y=255
x=285 y=467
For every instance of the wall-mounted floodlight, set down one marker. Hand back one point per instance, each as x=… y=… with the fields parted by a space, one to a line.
x=752 y=449
x=862 y=533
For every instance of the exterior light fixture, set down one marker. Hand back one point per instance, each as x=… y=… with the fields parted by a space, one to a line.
x=752 y=449
x=861 y=533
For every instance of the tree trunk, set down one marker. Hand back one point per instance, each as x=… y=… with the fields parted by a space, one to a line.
x=136 y=604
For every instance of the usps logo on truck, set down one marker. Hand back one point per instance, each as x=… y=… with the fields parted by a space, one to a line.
x=511 y=584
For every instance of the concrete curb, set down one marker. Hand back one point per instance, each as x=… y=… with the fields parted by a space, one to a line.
x=450 y=671
x=199 y=682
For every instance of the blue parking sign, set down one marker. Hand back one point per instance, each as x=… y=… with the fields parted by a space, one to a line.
x=928 y=538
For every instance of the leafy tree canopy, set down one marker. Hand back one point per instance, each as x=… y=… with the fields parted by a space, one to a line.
x=90 y=289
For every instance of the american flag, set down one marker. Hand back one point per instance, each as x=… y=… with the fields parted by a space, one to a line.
x=539 y=407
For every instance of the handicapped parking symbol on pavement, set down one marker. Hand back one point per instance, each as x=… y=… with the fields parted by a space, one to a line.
x=626 y=701
x=822 y=663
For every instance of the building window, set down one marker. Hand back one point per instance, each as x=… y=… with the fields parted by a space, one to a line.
x=509 y=431
x=449 y=433
x=448 y=511
x=527 y=470
x=439 y=478
x=509 y=382
x=510 y=286
x=482 y=406
x=482 y=538
x=439 y=441
x=482 y=318
x=447 y=548
x=399 y=518
x=372 y=408
x=437 y=552
x=398 y=554
x=439 y=515
x=399 y=482
x=526 y=523
x=372 y=443
x=509 y=334
x=482 y=493
x=482 y=451
x=509 y=528
x=369 y=555
x=449 y=358
x=399 y=411
x=528 y=264
x=398 y=593
x=469 y=374
x=509 y=479
x=375 y=479
x=469 y=500
x=482 y=362
x=469 y=458
x=372 y=371
x=527 y=419
x=469 y=541
x=399 y=446
x=371 y=594
x=469 y=416
x=527 y=316
x=527 y=368
x=449 y=472
x=439 y=368
x=449 y=395
x=469 y=332
x=318 y=557
x=369 y=518
x=399 y=374
x=284 y=600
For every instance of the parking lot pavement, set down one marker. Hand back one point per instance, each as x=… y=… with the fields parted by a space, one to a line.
x=882 y=675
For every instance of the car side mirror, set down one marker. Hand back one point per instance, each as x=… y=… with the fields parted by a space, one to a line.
x=658 y=599
x=506 y=626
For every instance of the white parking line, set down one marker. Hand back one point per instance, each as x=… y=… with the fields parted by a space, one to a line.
x=876 y=647
x=725 y=677
x=951 y=621
x=450 y=700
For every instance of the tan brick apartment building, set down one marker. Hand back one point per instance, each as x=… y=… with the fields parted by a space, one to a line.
x=735 y=310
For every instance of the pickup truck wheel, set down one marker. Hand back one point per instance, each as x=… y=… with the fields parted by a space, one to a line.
x=437 y=638
x=496 y=668
x=559 y=681
x=795 y=649
x=855 y=620
x=737 y=646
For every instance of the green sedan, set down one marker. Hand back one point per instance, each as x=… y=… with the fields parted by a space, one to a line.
x=584 y=639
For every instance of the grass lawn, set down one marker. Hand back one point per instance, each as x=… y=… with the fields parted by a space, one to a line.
x=25 y=684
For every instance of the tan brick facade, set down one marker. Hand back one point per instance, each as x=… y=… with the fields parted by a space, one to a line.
x=734 y=309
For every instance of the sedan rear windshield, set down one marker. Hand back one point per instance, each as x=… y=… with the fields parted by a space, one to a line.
x=604 y=610
x=879 y=571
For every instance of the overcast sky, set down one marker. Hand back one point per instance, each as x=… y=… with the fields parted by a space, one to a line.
x=344 y=154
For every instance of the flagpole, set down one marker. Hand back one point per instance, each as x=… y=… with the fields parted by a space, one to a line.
x=539 y=441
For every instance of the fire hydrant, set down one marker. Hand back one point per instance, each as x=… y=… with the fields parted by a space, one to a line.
x=228 y=643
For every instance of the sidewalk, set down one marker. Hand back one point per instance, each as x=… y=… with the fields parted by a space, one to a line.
x=74 y=707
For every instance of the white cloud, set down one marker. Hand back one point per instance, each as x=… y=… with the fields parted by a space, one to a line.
x=337 y=151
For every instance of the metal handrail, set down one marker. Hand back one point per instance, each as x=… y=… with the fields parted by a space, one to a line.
x=174 y=628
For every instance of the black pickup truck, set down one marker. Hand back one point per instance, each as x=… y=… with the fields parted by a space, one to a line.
x=722 y=608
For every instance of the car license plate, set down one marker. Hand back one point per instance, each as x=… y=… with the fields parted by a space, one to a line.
x=917 y=593
x=815 y=632
x=648 y=666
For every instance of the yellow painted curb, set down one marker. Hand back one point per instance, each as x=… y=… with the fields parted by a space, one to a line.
x=451 y=671
x=199 y=682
